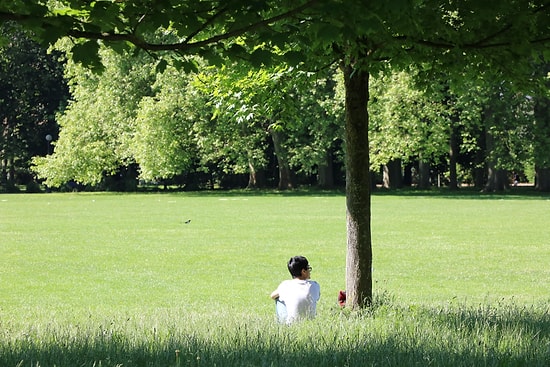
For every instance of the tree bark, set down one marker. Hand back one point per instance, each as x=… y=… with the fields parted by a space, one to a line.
x=479 y=168
x=285 y=174
x=541 y=155
x=359 y=248
x=256 y=178
x=453 y=154
x=4 y=172
x=423 y=174
x=393 y=175
x=496 y=178
x=408 y=175
x=542 y=179
x=326 y=172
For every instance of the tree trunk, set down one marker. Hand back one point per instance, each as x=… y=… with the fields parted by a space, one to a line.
x=4 y=172
x=11 y=171
x=408 y=175
x=541 y=154
x=359 y=248
x=496 y=178
x=285 y=174
x=542 y=179
x=326 y=172
x=424 y=174
x=255 y=178
x=453 y=154
x=479 y=169
x=392 y=175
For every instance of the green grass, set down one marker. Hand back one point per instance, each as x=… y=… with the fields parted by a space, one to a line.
x=122 y=280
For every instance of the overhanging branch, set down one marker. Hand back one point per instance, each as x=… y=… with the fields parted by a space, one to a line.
x=186 y=45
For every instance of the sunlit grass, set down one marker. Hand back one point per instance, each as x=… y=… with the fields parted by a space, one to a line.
x=123 y=280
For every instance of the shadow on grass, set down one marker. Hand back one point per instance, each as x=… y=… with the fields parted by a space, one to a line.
x=522 y=192
x=387 y=336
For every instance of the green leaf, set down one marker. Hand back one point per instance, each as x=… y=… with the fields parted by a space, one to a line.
x=87 y=54
x=161 y=66
x=294 y=57
x=188 y=66
x=261 y=57
x=236 y=50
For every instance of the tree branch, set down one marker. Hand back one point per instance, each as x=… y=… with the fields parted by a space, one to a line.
x=205 y=25
x=185 y=45
x=487 y=42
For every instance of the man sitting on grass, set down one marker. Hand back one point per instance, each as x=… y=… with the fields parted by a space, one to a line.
x=297 y=298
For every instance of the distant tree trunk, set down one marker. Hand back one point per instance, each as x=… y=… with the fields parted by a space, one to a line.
x=542 y=179
x=358 y=206
x=285 y=174
x=386 y=181
x=256 y=179
x=4 y=172
x=326 y=172
x=453 y=154
x=407 y=175
x=479 y=169
x=252 y=183
x=373 y=181
x=541 y=152
x=392 y=175
x=12 y=170
x=497 y=179
x=424 y=174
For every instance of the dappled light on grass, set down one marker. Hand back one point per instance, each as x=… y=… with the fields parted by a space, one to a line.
x=390 y=334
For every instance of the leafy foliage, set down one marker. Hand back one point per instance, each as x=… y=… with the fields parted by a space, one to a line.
x=97 y=127
x=33 y=89
x=405 y=120
x=164 y=144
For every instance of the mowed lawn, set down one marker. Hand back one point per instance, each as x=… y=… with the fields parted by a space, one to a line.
x=183 y=279
x=111 y=251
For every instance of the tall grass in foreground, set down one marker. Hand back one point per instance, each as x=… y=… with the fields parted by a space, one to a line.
x=387 y=335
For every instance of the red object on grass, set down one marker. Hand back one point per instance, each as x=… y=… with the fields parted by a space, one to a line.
x=342 y=298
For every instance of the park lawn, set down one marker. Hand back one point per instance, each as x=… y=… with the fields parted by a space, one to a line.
x=117 y=251
x=447 y=270
x=433 y=249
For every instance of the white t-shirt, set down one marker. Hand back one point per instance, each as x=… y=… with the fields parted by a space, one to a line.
x=300 y=298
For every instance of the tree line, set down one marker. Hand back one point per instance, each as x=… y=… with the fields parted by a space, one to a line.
x=279 y=126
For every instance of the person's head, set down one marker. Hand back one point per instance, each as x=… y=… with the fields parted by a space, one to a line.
x=298 y=266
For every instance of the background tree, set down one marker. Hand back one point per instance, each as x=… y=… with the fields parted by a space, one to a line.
x=283 y=103
x=541 y=129
x=316 y=133
x=409 y=124
x=33 y=89
x=367 y=36
x=98 y=126
x=245 y=107
x=164 y=142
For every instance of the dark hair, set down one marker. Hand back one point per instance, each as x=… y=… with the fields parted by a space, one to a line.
x=296 y=264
